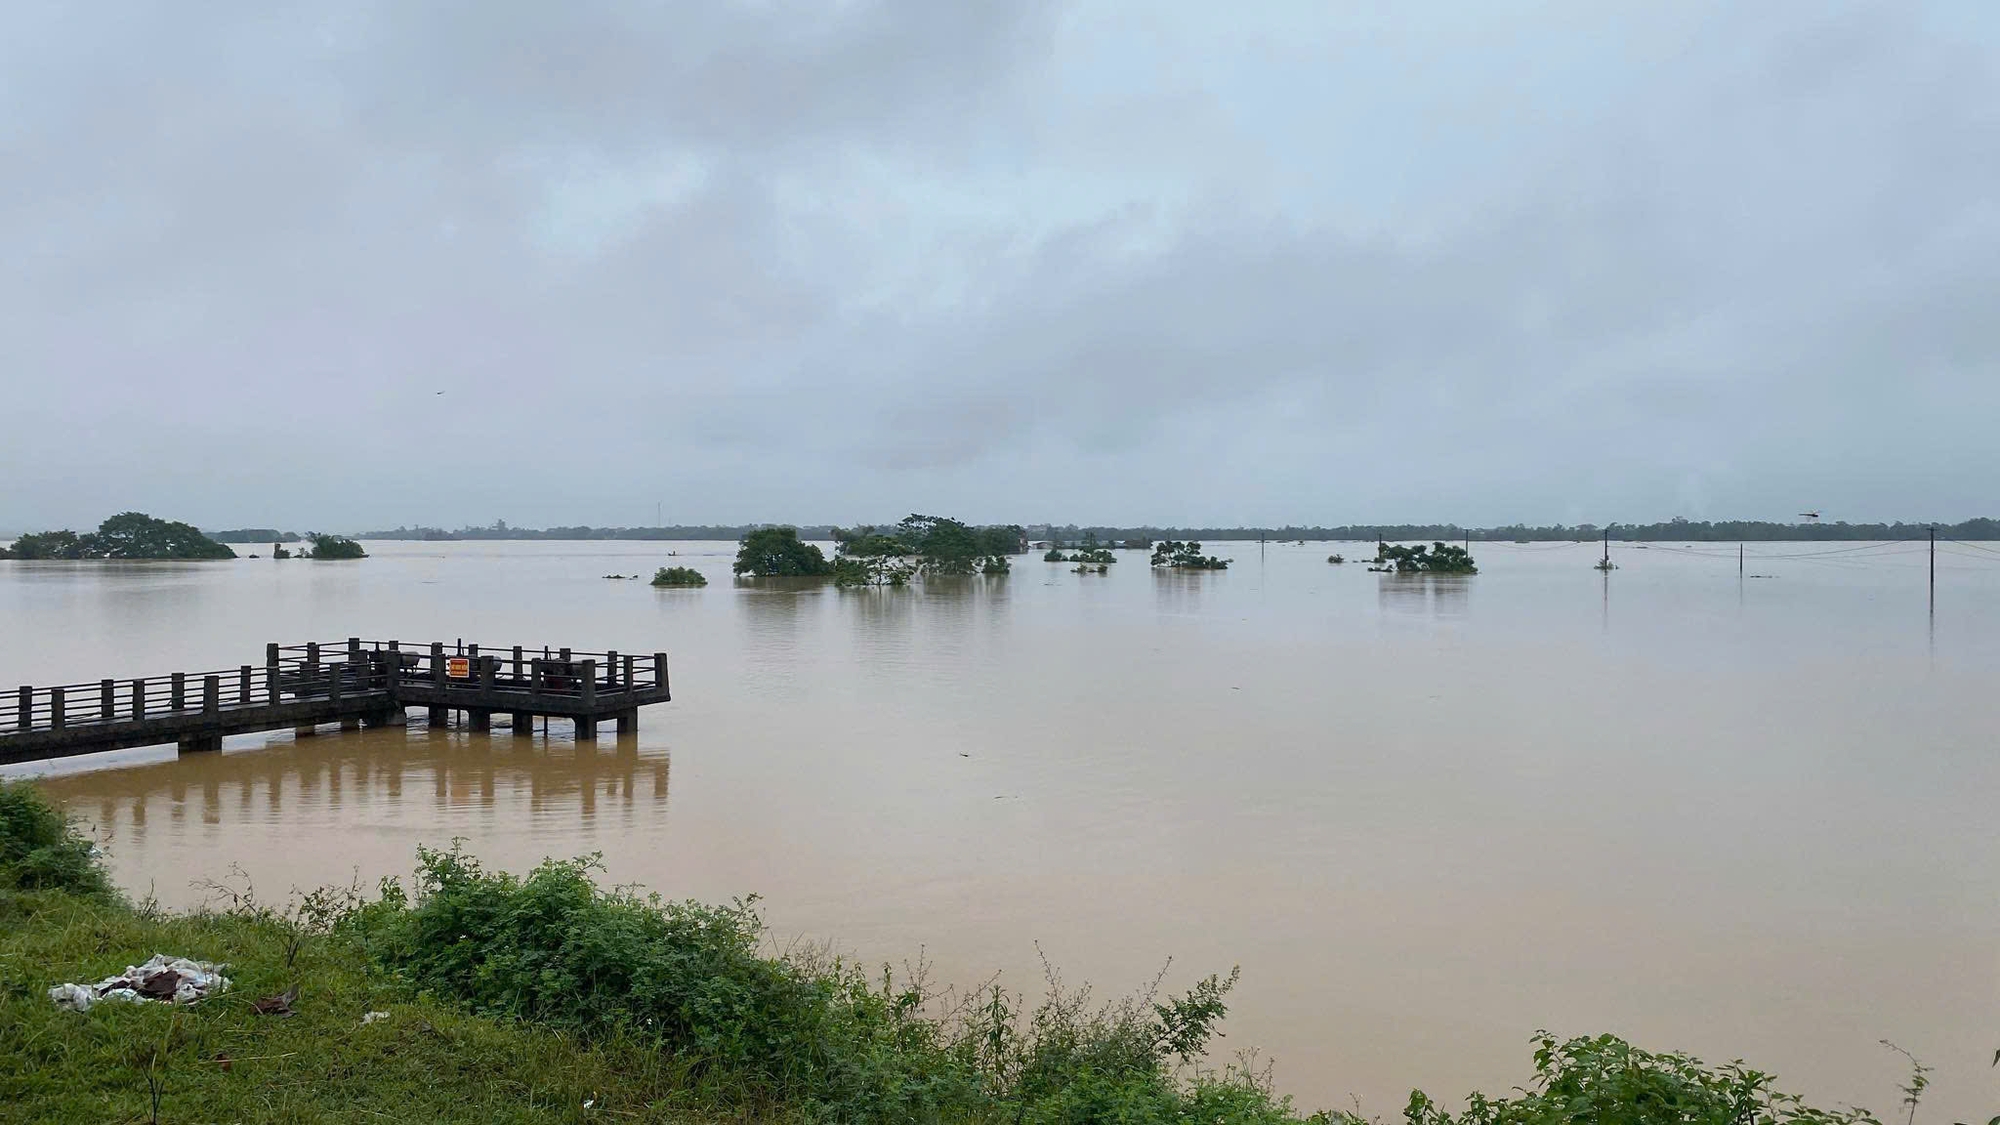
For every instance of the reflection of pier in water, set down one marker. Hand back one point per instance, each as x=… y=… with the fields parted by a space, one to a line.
x=389 y=769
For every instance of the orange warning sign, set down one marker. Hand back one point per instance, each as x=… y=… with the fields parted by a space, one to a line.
x=458 y=667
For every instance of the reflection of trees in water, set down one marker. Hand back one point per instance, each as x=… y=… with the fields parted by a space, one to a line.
x=774 y=612
x=1440 y=595
x=358 y=769
x=1178 y=590
x=897 y=630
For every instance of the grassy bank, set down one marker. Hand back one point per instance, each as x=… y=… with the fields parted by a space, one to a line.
x=545 y=998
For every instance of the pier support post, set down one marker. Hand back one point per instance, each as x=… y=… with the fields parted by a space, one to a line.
x=26 y=714
x=440 y=717
x=479 y=719
x=586 y=728
x=107 y=700
x=524 y=723
x=387 y=717
x=628 y=721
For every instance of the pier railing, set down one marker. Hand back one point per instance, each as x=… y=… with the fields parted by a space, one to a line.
x=463 y=665
x=350 y=670
x=64 y=706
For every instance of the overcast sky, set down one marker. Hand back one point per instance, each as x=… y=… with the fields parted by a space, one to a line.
x=1127 y=262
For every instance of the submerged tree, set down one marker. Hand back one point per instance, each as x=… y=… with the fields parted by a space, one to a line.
x=327 y=547
x=924 y=545
x=1177 y=555
x=127 y=535
x=873 y=570
x=679 y=576
x=776 y=552
x=1438 y=558
x=49 y=545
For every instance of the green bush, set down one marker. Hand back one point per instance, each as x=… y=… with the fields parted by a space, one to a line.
x=1604 y=1080
x=815 y=1033
x=678 y=576
x=39 y=851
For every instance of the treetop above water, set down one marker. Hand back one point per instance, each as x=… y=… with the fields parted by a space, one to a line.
x=128 y=535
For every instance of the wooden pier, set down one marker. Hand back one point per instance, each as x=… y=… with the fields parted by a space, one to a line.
x=354 y=683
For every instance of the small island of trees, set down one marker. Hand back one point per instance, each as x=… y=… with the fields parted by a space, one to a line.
x=1176 y=555
x=918 y=546
x=326 y=546
x=127 y=535
x=776 y=552
x=922 y=546
x=678 y=576
x=1438 y=558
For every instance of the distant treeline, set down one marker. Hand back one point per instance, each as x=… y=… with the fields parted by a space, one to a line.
x=718 y=532
x=1696 y=531
x=253 y=535
x=1673 y=531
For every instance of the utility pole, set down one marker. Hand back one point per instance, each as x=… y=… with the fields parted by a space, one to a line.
x=1739 y=560
x=1607 y=548
x=1933 y=568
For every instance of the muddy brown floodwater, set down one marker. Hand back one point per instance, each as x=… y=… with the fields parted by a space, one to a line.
x=1746 y=818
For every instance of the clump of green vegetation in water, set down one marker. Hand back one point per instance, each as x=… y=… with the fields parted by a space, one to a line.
x=278 y=551
x=1091 y=568
x=127 y=535
x=1438 y=558
x=922 y=546
x=1185 y=556
x=776 y=552
x=678 y=576
x=872 y=570
x=1336 y=559
x=1604 y=564
x=1055 y=555
x=333 y=547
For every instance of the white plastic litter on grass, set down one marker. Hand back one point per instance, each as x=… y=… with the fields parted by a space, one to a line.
x=161 y=980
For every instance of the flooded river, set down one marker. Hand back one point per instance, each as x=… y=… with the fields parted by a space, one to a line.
x=1740 y=816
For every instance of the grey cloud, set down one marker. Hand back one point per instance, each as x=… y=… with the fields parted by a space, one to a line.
x=783 y=261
